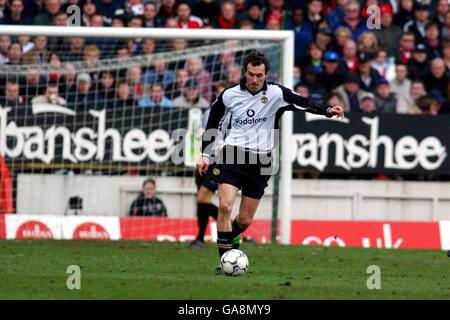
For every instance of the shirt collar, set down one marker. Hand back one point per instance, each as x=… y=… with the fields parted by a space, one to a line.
x=244 y=86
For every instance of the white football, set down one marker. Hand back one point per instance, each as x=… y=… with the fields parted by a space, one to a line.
x=234 y=262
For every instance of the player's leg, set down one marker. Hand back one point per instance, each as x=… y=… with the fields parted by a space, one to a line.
x=227 y=196
x=205 y=209
x=244 y=219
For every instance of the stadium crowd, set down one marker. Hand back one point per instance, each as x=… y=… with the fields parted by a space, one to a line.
x=402 y=66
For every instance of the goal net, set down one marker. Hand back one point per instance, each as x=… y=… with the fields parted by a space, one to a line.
x=86 y=116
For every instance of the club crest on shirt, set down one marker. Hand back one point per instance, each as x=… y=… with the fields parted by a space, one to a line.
x=264 y=100
x=216 y=171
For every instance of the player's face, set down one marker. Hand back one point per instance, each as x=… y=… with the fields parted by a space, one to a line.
x=255 y=77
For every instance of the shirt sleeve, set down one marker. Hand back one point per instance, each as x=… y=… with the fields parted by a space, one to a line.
x=305 y=104
x=215 y=116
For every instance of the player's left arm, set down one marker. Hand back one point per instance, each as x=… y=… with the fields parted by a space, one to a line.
x=306 y=104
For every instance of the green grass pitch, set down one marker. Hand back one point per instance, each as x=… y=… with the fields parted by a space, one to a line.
x=148 y=270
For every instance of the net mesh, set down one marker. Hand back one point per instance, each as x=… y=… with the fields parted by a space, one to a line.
x=108 y=113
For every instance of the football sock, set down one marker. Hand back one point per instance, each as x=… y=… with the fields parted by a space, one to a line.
x=224 y=242
x=213 y=211
x=202 y=219
x=237 y=230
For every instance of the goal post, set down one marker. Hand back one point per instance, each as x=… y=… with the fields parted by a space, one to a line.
x=286 y=61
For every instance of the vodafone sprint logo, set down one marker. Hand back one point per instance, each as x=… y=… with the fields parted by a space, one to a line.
x=250 y=119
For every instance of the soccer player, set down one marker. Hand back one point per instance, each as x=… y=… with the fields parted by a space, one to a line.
x=255 y=106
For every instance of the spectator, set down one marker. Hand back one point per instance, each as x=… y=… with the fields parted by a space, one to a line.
x=368 y=75
x=89 y=10
x=367 y=103
x=124 y=97
x=276 y=7
x=26 y=44
x=324 y=38
x=134 y=7
x=341 y=35
x=446 y=105
x=350 y=92
x=417 y=24
x=207 y=10
x=302 y=89
x=83 y=97
x=16 y=15
x=432 y=40
x=404 y=52
x=384 y=65
x=191 y=97
x=176 y=89
x=108 y=8
x=134 y=78
x=442 y=8
x=405 y=13
x=407 y=104
x=146 y=204
x=418 y=66
x=167 y=11
x=314 y=12
x=438 y=78
x=385 y=100
x=15 y=54
x=12 y=98
x=314 y=58
x=159 y=74
x=39 y=54
x=428 y=105
x=334 y=99
x=273 y=22
x=241 y=12
x=445 y=30
x=367 y=43
x=310 y=79
x=330 y=78
x=155 y=98
x=303 y=34
x=446 y=54
x=51 y=96
x=106 y=89
x=52 y=7
x=334 y=16
x=68 y=85
x=75 y=52
x=352 y=19
x=5 y=43
x=296 y=75
x=349 y=61
x=185 y=19
x=194 y=66
x=254 y=14
x=31 y=85
x=227 y=18
x=150 y=15
x=234 y=74
x=400 y=85
x=389 y=32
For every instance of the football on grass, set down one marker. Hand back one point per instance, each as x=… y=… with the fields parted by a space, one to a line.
x=234 y=262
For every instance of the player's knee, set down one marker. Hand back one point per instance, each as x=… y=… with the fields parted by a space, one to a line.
x=225 y=207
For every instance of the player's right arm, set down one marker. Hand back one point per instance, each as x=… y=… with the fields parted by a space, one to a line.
x=215 y=116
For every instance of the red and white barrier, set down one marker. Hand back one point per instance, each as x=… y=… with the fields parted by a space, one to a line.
x=373 y=234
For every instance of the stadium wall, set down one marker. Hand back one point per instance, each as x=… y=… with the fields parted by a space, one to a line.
x=348 y=200
x=385 y=234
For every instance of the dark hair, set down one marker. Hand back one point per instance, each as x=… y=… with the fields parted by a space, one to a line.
x=256 y=58
x=149 y=180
